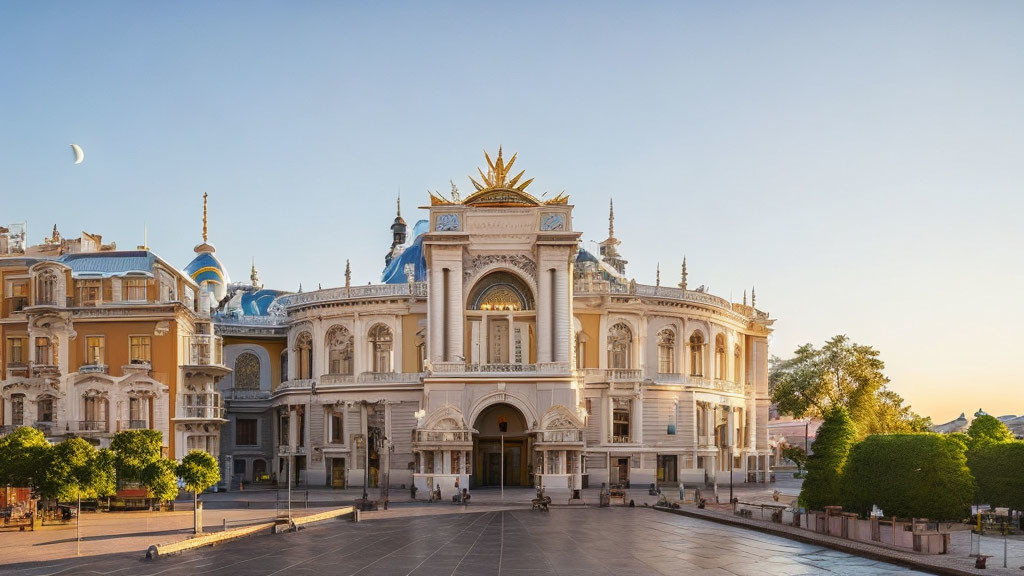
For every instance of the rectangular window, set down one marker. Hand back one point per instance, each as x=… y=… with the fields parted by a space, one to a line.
x=18 y=410
x=44 y=355
x=337 y=428
x=620 y=420
x=135 y=290
x=246 y=432
x=94 y=350
x=15 y=351
x=88 y=292
x=140 y=349
x=18 y=296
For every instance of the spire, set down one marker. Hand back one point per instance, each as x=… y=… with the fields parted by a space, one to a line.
x=300 y=287
x=611 y=218
x=744 y=296
x=657 y=276
x=753 y=298
x=399 y=214
x=682 y=278
x=254 y=276
x=204 y=216
x=348 y=274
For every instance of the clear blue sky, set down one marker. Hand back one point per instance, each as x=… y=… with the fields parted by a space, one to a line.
x=861 y=163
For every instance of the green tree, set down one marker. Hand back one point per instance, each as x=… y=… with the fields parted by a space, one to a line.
x=135 y=450
x=796 y=455
x=199 y=471
x=841 y=374
x=161 y=479
x=909 y=475
x=836 y=436
x=985 y=428
x=22 y=454
x=998 y=470
x=74 y=469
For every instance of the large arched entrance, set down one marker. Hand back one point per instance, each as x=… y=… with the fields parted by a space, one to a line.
x=501 y=448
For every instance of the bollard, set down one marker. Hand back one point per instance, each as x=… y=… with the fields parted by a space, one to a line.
x=224 y=524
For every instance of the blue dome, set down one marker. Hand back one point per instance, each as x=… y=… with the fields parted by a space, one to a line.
x=394 y=273
x=584 y=256
x=205 y=267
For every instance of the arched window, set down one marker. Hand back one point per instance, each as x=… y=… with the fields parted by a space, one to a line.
x=620 y=341
x=720 y=357
x=284 y=365
x=304 y=346
x=18 y=409
x=247 y=372
x=696 y=354
x=381 y=344
x=46 y=288
x=666 y=351
x=339 y=350
x=737 y=369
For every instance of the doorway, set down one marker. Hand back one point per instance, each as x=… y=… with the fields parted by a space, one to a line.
x=501 y=448
x=667 y=469
x=337 y=473
x=620 y=471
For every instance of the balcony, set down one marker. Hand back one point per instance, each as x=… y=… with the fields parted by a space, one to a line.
x=201 y=412
x=203 y=350
x=15 y=304
x=501 y=369
x=52 y=302
x=92 y=369
x=616 y=439
x=245 y=394
x=17 y=369
x=715 y=384
x=39 y=370
x=601 y=375
x=560 y=436
x=92 y=426
x=134 y=425
x=443 y=436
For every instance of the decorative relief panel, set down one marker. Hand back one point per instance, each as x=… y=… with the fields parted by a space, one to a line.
x=552 y=221
x=517 y=261
x=447 y=223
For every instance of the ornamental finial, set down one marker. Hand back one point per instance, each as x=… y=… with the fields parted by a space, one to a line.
x=611 y=218
x=753 y=298
x=744 y=296
x=348 y=274
x=204 y=216
x=682 y=280
x=657 y=276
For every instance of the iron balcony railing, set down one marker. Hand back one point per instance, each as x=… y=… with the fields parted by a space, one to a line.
x=203 y=350
x=134 y=425
x=246 y=394
x=92 y=425
x=92 y=369
x=202 y=412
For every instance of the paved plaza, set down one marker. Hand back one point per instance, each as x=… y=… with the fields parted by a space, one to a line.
x=519 y=542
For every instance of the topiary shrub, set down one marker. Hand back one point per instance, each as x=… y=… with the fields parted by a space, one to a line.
x=828 y=456
x=909 y=475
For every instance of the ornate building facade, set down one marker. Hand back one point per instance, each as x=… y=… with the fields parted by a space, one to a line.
x=494 y=351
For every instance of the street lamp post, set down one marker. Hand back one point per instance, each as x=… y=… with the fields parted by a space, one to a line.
x=731 y=461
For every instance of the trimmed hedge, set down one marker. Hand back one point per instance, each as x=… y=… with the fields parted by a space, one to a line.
x=909 y=475
x=824 y=468
x=998 y=468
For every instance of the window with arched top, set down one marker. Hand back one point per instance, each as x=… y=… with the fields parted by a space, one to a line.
x=381 y=345
x=666 y=351
x=720 y=357
x=247 y=371
x=304 y=348
x=339 y=350
x=46 y=288
x=620 y=343
x=696 y=354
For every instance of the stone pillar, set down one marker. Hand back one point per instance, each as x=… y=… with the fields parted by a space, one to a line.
x=544 y=304
x=435 y=317
x=511 y=339
x=561 y=316
x=456 y=351
x=637 y=421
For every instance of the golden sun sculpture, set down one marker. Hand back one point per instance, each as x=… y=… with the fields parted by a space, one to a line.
x=495 y=188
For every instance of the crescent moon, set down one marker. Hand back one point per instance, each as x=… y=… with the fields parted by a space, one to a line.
x=79 y=154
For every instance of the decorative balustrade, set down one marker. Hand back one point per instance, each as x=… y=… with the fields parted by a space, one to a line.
x=617 y=439
x=501 y=368
x=389 y=377
x=425 y=436
x=202 y=412
x=17 y=369
x=92 y=425
x=92 y=369
x=586 y=287
x=134 y=425
x=203 y=350
x=612 y=375
x=245 y=394
x=296 y=384
x=415 y=289
x=698 y=382
x=45 y=370
x=569 y=435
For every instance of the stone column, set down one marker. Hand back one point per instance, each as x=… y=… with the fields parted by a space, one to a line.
x=511 y=339
x=435 y=317
x=455 y=318
x=544 y=304
x=561 y=316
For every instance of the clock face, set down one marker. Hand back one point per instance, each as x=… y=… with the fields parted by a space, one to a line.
x=552 y=222
x=447 y=223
